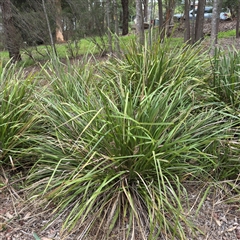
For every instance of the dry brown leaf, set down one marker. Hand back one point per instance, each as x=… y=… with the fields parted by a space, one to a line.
x=238 y=232
x=9 y=215
x=231 y=229
x=224 y=219
x=27 y=216
x=215 y=217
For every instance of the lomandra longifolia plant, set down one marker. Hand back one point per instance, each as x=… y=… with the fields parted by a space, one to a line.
x=16 y=115
x=116 y=150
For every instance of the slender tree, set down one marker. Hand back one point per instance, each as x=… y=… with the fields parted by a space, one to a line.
x=139 y=22
x=199 y=21
x=187 y=21
x=115 y=12
x=125 y=16
x=59 y=31
x=238 y=20
x=145 y=10
x=109 y=27
x=150 y=24
x=160 y=17
x=193 y=22
x=49 y=28
x=170 y=6
x=217 y=4
x=11 y=34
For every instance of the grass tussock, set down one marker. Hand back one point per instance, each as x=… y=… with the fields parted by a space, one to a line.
x=17 y=118
x=119 y=140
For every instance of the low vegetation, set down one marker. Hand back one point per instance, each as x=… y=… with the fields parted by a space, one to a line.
x=114 y=143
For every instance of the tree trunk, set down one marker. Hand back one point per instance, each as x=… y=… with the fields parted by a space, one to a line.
x=109 y=27
x=117 y=46
x=139 y=22
x=125 y=16
x=49 y=29
x=217 y=4
x=151 y=23
x=187 y=21
x=145 y=10
x=193 y=24
x=59 y=31
x=11 y=35
x=169 y=14
x=238 y=20
x=160 y=16
x=199 y=21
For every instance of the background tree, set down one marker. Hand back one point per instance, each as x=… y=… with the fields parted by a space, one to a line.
x=59 y=30
x=217 y=5
x=145 y=10
x=187 y=21
x=151 y=22
x=11 y=34
x=109 y=27
x=199 y=21
x=139 y=22
x=238 y=20
x=116 y=26
x=125 y=16
x=31 y=21
x=160 y=17
x=193 y=23
x=169 y=6
x=232 y=5
x=49 y=29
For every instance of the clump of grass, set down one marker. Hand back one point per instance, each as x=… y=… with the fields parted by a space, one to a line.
x=227 y=34
x=117 y=145
x=16 y=116
x=226 y=77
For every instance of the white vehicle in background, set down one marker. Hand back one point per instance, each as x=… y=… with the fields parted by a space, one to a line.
x=225 y=14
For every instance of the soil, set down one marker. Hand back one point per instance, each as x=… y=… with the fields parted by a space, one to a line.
x=217 y=218
x=223 y=43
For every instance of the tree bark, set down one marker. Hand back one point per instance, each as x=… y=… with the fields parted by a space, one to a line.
x=187 y=21
x=160 y=16
x=199 y=21
x=11 y=35
x=115 y=10
x=59 y=31
x=193 y=24
x=49 y=29
x=170 y=5
x=215 y=21
x=125 y=16
x=145 y=10
x=238 y=20
x=139 y=22
x=110 y=49
x=151 y=23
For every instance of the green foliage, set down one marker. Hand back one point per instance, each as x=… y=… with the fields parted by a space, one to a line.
x=225 y=84
x=116 y=146
x=33 y=55
x=226 y=80
x=16 y=119
x=227 y=34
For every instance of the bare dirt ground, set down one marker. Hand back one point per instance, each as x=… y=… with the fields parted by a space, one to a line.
x=224 y=43
x=218 y=218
